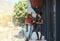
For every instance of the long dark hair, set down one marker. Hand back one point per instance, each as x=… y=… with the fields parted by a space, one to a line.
x=28 y=16
x=40 y=13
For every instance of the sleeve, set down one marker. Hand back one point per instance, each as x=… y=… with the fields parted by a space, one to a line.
x=41 y=19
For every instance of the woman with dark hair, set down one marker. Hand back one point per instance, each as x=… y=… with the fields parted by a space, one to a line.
x=29 y=22
x=38 y=24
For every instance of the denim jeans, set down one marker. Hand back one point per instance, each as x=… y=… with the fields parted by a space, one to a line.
x=31 y=30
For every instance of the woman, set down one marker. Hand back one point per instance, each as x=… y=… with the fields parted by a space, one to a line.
x=39 y=22
x=29 y=22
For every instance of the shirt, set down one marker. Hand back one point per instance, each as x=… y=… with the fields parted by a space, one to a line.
x=29 y=20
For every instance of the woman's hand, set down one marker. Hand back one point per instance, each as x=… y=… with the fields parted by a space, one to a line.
x=29 y=24
x=40 y=22
x=33 y=21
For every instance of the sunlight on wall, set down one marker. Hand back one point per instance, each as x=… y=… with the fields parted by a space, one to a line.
x=4 y=19
x=6 y=11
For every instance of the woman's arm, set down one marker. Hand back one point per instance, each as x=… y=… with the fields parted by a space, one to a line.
x=40 y=22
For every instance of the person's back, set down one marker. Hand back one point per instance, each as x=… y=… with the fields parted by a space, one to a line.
x=29 y=20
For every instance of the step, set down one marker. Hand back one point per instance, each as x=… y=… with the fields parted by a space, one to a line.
x=37 y=40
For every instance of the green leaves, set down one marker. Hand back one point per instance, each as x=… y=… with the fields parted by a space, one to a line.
x=20 y=10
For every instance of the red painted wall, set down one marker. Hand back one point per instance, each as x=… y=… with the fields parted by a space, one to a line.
x=36 y=3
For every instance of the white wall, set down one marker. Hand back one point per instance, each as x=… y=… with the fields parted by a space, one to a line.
x=30 y=9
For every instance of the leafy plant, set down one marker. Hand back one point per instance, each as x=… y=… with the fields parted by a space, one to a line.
x=20 y=10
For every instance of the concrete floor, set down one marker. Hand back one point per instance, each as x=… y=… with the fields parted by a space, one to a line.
x=8 y=34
